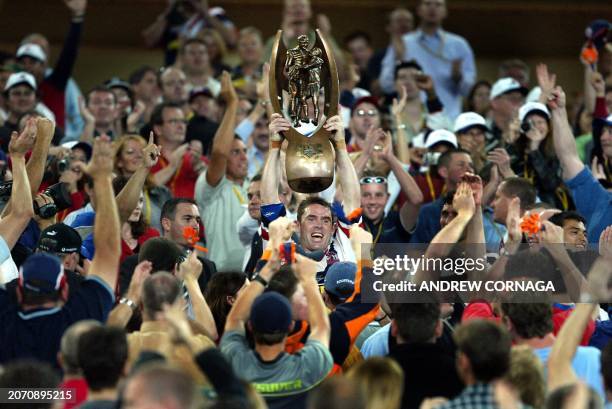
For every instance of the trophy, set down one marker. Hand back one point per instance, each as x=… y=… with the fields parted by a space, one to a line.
x=304 y=89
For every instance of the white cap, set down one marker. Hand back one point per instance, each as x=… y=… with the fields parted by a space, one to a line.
x=534 y=95
x=32 y=50
x=504 y=85
x=468 y=120
x=608 y=120
x=530 y=107
x=20 y=78
x=418 y=141
x=441 y=135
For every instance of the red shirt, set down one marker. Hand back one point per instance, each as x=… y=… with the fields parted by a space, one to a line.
x=126 y=251
x=54 y=99
x=182 y=183
x=80 y=386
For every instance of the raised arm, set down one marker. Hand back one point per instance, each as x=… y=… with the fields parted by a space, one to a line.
x=222 y=142
x=565 y=146
x=320 y=328
x=271 y=176
x=107 y=236
x=12 y=225
x=347 y=177
x=560 y=370
x=127 y=199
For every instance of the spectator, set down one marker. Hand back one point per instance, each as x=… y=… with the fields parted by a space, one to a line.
x=221 y=294
x=508 y=190
x=574 y=230
x=43 y=287
x=102 y=355
x=129 y=111
x=478 y=99
x=180 y=163
x=100 y=114
x=269 y=317
x=143 y=82
x=196 y=66
x=359 y=45
x=507 y=96
x=365 y=121
x=33 y=59
x=532 y=324
x=483 y=357
x=248 y=226
x=217 y=51
x=221 y=190
x=163 y=386
x=381 y=382
x=471 y=130
x=526 y=376
x=69 y=361
x=203 y=125
x=29 y=374
x=129 y=156
x=336 y=393
x=250 y=51
x=73 y=122
x=445 y=56
x=416 y=327
x=174 y=87
x=515 y=69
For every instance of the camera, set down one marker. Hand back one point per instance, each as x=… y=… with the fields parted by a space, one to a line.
x=60 y=195
x=526 y=126
x=63 y=164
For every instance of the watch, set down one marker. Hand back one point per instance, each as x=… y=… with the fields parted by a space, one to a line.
x=128 y=302
x=260 y=280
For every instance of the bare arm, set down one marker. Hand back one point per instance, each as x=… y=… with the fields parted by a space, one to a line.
x=122 y=313
x=560 y=370
x=222 y=142
x=272 y=171
x=347 y=177
x=410 y=210
x=320 y=328
x=13 y=224
x=107 y=234
x=565 y=146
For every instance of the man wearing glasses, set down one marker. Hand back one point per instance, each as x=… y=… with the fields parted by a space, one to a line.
x=365 y=119
x=180 y=164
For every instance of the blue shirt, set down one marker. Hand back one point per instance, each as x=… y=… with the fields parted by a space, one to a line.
x=37 y=333
x=435 y=53
x=586 y=364
x=592 y=201
x=377 y=344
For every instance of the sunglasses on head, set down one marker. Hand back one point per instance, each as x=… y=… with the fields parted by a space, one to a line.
x=373 y=179
x=369 y=112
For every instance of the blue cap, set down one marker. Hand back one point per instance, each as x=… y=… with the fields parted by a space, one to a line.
x=271 y=313
x=42 y=273
x=340 y=279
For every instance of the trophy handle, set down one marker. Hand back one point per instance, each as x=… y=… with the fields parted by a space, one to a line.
x=331 y=83
x=277 y=80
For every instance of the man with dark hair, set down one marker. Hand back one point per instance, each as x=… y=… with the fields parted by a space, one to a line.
x=195 y=62
x=574 y=230
x=359 y=45
x=100 y=114
x=174 y=88
x=281 y=378
x=34 y=327
x=483 y=356
x=453 y=76
x=452 y=166
x=364 y=123
x=180 y=164
x=248 y=226
x=102 y=355
x=69 y=359
x=146 y=90
x=508 y=190
x=531 y=324
x=26 y=374
x=416 y=328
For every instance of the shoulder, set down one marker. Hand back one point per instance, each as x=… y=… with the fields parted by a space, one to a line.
x=456 y=39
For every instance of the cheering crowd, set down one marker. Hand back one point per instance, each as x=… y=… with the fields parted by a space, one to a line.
x=153 y=254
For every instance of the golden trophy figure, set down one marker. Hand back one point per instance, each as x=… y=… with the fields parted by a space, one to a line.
x=298 y=77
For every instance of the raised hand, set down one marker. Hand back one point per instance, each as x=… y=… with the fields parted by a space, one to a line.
x=278 y=124
x=336 y=127
x=475 y=183
x=77 y=7
x=513 y=220
x=85 y=112
x=598 y=83
x=557 y=99
x=463 y=201
x=151 y=152
x=361 y=240
x=135 y=115
x=22 y=143
x=280 y=230
x=500 y=157
x=546 y=81
x=305 y=268
x=141 y=272
x=398 y=105
x=263 y=85
x=605 y=244
x=101 y=163
x=190 y=268
x=228 y=92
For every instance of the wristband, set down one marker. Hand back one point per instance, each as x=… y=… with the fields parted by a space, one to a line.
x=128 y=302
x=340 y=144
x=260 y=280
x=276 y=144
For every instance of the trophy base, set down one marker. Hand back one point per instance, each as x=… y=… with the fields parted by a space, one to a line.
x=310 y=185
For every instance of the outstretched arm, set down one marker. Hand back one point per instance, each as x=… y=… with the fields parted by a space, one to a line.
x=271 y=175
x=565 y=146
x=222 y=142
x=107 y=237
x=15 y=222
x=347 y=177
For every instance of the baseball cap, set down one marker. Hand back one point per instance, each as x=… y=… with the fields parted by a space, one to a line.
x=200 y=91
x=504 y=85
x=608 y=120
x=20 y=78
x=60 y=239
x=31 y=50
x=530 y=107
x=116 y=82
x=439 y=136
x=84 y=146
x=340 y=279
x=270 y=313
x=469 y=120
x=41 y=273
x=363 y=100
